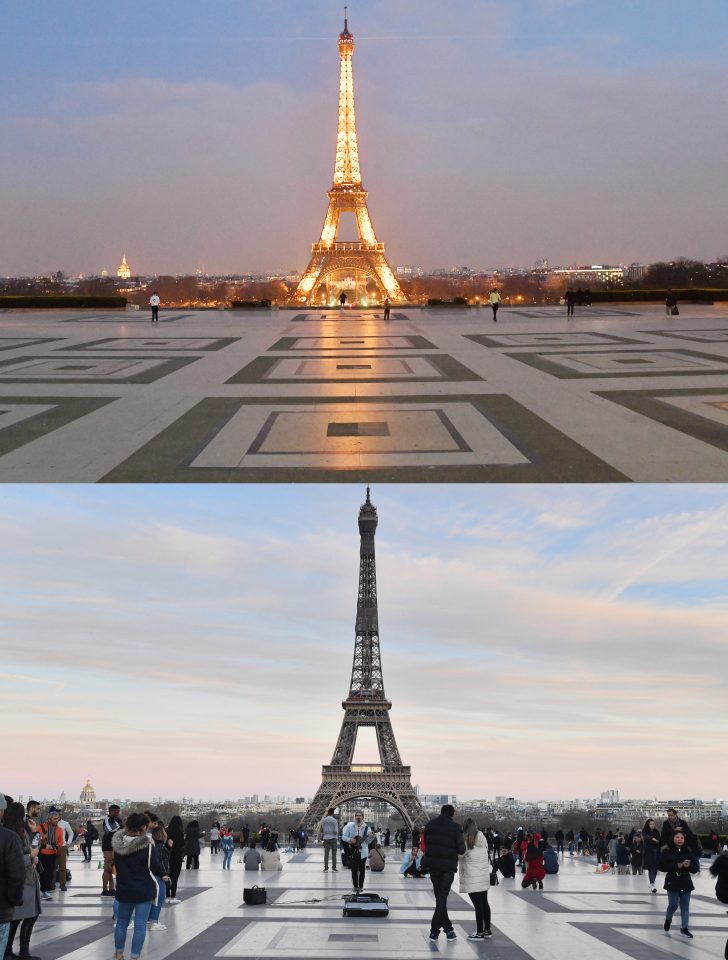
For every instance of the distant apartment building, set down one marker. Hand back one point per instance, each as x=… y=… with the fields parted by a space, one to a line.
x=590 y=276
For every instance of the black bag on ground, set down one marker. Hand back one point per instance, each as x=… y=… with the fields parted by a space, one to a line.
x=254 y=896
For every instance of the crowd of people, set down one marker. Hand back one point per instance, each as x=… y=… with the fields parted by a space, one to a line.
x=143 y=858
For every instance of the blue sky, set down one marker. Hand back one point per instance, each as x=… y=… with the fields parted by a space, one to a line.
x=543 y=632
x=491 y=132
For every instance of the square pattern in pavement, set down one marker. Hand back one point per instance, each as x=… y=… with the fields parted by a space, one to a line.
x=441 y=394
x=578 y=914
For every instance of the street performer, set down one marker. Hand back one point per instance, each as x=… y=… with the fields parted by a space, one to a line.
x=356 y=834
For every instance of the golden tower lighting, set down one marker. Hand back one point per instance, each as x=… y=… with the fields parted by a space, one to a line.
x=339 y=265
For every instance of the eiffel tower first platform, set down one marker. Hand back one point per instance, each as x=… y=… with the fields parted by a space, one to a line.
x=366 y=706
x=342 y=266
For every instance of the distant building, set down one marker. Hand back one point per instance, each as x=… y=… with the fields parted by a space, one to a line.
x=610 y=796
x=588 y=275
x=124 y=270
x=636 y=271
x=88 y=795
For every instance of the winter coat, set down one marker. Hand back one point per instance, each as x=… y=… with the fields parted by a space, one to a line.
x=444 y=842
x=638 y=855
x=474 y=867
x=677 y=878
x=12 y=874
x=550 y=860
x=251 y=859
x=534 y=870
x=621 y=854
x=506 y=864
x=137 y=867
x=668 y=830
x=719 y=869
x=163 y=854
x=192 y=842
x=652 y=844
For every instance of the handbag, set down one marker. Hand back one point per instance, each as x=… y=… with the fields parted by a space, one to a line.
x=254 y=896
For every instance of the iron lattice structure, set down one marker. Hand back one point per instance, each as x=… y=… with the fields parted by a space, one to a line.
x=366 y=706
x=347 y=195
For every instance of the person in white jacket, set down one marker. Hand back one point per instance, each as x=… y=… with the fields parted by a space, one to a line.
x=474 y=872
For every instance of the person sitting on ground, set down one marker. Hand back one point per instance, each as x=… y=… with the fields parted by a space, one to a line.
x=252 y=858
x=550 y=860
x=271 y=859
x=505 y=864
x=376 y=857
x=411 y=865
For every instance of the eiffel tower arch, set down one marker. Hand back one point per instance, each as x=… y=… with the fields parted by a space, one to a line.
x=363 y=259
x=343 y=780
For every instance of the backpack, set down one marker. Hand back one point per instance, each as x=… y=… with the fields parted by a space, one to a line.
x=376 y=860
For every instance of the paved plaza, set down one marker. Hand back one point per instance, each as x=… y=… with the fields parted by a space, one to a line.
x=578 y=914
x=619 y=393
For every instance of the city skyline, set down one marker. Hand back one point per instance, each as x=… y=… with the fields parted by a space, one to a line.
x=140 y=133
x=540 y=633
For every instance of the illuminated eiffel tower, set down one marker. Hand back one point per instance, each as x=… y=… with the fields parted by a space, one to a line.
x=366 y=706
x=364 y=258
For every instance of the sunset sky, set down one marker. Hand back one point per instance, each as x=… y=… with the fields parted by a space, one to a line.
x=539 y=642
x=492 y=132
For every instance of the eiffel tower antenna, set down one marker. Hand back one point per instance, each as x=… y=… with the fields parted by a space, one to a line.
x=366 y=706
x=334 y=263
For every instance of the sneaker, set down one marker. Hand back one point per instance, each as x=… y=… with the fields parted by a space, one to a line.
x=172 y=900
x=487 y=933
x=108 y=893
x=434 y=936
x=326 y=869
x=666 y=925
x=451 y=935
x=476 y=936
x=686 y=933
x=654 y=889
x=157 y=926
x=46 y=896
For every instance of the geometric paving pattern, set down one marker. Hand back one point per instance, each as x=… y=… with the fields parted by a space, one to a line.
x=440 y=394
x=578 y=914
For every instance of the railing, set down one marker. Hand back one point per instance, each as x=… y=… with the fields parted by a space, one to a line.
x=348 y=246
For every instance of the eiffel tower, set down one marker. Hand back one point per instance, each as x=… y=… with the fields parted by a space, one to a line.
x=347 y=195
x=366 y=706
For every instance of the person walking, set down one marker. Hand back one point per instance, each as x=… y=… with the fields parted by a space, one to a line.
x=137 y=866
x=444 y=843
x=330 y=834
x=387 y=307
x=495 y=301
x=356 y=835
x=51 y=839
x=192 y=845
x=19 y=902
x=342 y=300
x=677 y=863
x=719 y=869
x=154 y=304
x=176 y=845
x=227 y=845
x=91 y=835
x=569 y=300
x=474 y=876
x=651 y=853
x=559 y=837
x=111 y=824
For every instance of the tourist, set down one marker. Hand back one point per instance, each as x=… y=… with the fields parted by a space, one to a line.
x=506 y=864
x=252 y=858
x=714 y=841
x=674 y=823
x=622 y=855
x=215 y=838
x=403 y=837
x=302 y=838
x=651 y=853
x=495 y=301
x=671 y=308
x=271 y=858
x=24 y=912
x=559 y=837
x=637 y=854
x=176 y=845
x=387 y=835
x=535 y=871
x=474 y=876
x=111 y=824
x=569 y=300
x=444 y=843
x=51 y=839
x=411 y=865
x=192 y=845
x=356 y=835
x=330 y=835
x=227 y=845
x=137 y=865
x=719 y=869
x=387 y=308
x=61 y=863
x=342 y=300
x=677 y=863
x=32 y=811
x=377 y=859
x=154 y=304
x=159 y=838
x=550 y=860
x=88 y=840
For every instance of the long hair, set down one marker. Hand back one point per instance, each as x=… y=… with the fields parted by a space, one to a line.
x=470 y=833
x=14 y=818
x=175 y=829
x=646 y=828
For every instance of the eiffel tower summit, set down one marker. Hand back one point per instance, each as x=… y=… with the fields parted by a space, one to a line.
x=366 y=706
x=359 y=268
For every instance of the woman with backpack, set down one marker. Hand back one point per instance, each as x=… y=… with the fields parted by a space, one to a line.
x=677 y=863
x=137 y=866
x=474 y=874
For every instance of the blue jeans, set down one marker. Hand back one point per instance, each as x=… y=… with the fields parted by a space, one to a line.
x=227 y=856
x=4 y=931
x=675 y=899
x=124 y=913
x=161 y=896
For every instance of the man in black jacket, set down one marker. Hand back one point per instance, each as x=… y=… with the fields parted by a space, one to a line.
x=443 y=842
x=674 y=823
x=12 y=876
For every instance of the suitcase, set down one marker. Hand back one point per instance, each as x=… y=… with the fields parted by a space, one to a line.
x=365 y=905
